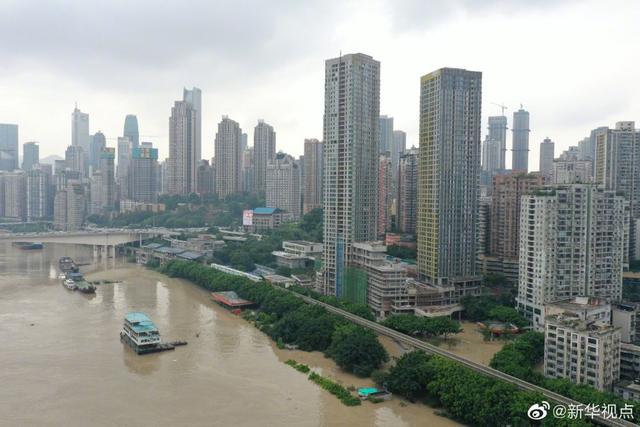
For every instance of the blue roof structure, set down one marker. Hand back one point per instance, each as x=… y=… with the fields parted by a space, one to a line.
x=153 y=246
x=140 y=322
x=264 y=211
x=169 y=250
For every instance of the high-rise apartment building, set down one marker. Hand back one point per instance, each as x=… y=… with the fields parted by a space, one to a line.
x=264 y=151
x=283 y=184
x=350 y=138
x=8 y=147
x=570 y=168
x=30 y=155
x=228 y=158
x=491 y=156
x=448 y=183
x=80 y=134
x=143 y=173
x=125 y=150
x=386 y=135
x=504 y=222
x=520 y=150
x=74 y=158
x=313 y=159
x=38 y=187
x=70 y=207
x=400 y=141
x=183 y=149
x=248 y=170
x=498 y=133
x=547 y=154
x=385 y=193
x=131 y=130
x=206 y=180
x=193 y=97
x=98 y=142
x=13 y=194
x=107 y=170
x=617 y=167
x=573 y=242
x=408 y=191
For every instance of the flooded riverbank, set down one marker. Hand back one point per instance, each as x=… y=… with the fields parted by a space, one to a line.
x=65 y=364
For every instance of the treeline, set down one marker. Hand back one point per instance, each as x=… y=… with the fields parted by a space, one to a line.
x=519 y=359
x=286 y=318
x=482 y=308
x=422 y=326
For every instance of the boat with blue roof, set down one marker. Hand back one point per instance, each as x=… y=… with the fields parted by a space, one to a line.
x=142 y=335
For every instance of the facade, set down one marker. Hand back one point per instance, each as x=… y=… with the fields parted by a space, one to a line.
x=584 y=352
x=143 y=174
x=283 y=184
x=313 y=175
x=407 y=211
x=386 y=135
x=520 y=149
x=264 y=219
x=8 y=147
x=448 y=180
x=547 y=154
x=385 y=193
x=400 y=141
x=572 y=243
x=228 y=158
x=264 y=152
x=248 y=170
x=351 y=126
x=183 y=149
x=131 y=130
x=30 y=155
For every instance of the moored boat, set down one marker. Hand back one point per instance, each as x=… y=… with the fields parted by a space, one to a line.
x=67 y=265
x=141 y=334
x=69 y=284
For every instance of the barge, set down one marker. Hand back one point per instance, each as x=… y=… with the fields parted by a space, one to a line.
x=28 y=246
x=141 y=334
x=67 y=265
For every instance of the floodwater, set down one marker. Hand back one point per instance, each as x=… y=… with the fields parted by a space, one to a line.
x=63 y=363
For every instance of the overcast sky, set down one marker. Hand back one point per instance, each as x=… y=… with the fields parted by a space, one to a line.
x=573 y=64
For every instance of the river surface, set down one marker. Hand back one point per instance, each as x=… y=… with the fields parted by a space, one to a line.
x=63 y=363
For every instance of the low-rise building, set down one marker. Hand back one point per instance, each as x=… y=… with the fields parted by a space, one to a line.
x=133 y=206
x=204 y=243
x=582 y=351
x=263 y=219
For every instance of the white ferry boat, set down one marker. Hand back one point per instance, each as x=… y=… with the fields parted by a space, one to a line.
x=140 y=333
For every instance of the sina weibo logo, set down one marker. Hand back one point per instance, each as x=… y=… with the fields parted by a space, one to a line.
x=538 y=411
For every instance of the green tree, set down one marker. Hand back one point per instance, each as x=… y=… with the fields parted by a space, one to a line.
x=356 y=350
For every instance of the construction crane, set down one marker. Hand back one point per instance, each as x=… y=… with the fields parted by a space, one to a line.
x=503 y=107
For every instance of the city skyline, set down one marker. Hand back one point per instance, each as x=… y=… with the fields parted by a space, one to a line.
x=44 y=99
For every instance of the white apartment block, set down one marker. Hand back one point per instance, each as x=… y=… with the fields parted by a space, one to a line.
x=573 y=242
x=584 y=352
x=283 y=184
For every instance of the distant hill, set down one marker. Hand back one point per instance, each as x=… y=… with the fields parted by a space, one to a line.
x=50 y=160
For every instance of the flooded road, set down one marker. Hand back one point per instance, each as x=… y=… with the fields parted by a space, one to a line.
x=63 y=362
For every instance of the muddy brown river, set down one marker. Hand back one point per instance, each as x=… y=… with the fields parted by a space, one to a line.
x=63 y=363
